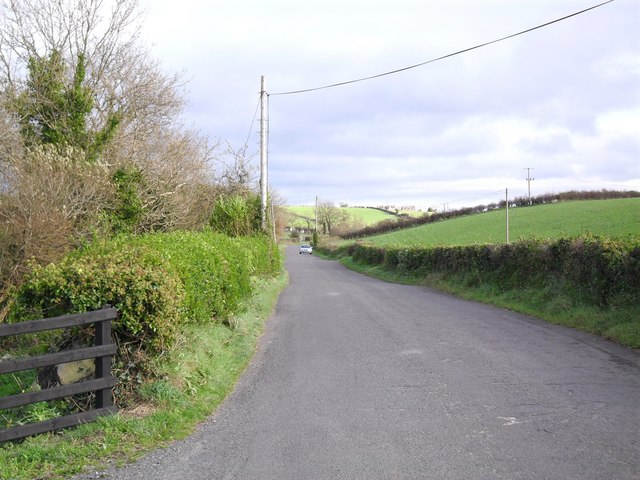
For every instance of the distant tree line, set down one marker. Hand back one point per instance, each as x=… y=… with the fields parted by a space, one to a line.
x=390 y=225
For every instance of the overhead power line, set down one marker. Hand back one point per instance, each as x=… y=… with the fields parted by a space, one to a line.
x=255 y=114
x=444 y=56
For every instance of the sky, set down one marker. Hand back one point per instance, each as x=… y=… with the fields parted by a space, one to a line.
x=563 y=100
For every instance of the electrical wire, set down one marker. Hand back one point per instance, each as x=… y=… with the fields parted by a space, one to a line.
x=255 y=114
x=444 y=56
x=268 y=124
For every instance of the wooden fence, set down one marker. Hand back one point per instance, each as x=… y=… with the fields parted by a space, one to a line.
x=102 y=351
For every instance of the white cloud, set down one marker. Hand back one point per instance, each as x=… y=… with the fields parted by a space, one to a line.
x=619 y=123
x=563 y=99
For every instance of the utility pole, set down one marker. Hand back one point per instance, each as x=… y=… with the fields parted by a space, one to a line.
x=316 y=230
x=263 y=155
x=529 y=181
x=506 y=195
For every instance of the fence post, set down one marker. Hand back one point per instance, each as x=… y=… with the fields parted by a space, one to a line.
x=103 y=364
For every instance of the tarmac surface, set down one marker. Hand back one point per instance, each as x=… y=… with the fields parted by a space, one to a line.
x=356 y=378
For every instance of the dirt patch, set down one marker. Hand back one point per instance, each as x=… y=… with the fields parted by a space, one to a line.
x=139 y=411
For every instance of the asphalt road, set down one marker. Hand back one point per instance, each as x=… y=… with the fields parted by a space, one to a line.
x=360 y=379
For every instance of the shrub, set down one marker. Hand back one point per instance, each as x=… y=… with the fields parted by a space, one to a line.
x=605 y=270
x=127 y=209
x=600 y=271
x=51 y=200
x=135 y=280
x=215 y=270
x=237 y=215
x=157 y=282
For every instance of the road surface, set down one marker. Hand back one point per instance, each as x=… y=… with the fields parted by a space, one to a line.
x=361 y=379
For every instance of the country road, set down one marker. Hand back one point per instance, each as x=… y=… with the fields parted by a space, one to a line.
x=361 y=379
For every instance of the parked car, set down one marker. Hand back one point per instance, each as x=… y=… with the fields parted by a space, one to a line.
x=306 y=248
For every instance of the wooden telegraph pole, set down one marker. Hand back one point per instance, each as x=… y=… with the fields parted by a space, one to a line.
x=263 y=155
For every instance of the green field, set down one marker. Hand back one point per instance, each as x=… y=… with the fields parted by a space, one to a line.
x=368 y=216
x=614 y=218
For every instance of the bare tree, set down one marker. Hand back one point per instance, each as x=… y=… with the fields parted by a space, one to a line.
x=178 y=191
x=280 y=214
x=235 y=173
x=348 y=223
x=120 y=73
x=330 y=216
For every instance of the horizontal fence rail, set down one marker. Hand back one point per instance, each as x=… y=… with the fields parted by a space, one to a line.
x=102 y=351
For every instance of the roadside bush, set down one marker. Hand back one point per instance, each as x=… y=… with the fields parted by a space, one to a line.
x=599 y=271
x=264 y=253
x=215 y=270
x=367 y=254
x=135 y=280
x=51 y=201
x=157 y=282
x=605 y=270
x=237 y=215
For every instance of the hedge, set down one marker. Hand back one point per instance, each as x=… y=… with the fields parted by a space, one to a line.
x=157 y=282
x=135 y=279
x=215 y=270
x=601 y=271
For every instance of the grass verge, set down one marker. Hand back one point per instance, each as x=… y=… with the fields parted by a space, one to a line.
x=619 y=324
x=199 y=373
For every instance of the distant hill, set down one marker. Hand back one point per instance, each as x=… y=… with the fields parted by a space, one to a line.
x=368 y=216
x=614 y=218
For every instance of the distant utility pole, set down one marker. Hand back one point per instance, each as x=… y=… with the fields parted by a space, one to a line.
x=263 y=155
x=316 y=214
x=506 y=195
x=529 y=181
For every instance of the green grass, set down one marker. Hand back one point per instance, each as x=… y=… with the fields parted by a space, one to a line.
x=201 y=370
x=613 y=218
x=368 y=216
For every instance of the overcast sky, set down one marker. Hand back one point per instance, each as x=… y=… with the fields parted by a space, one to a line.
x=563 y=100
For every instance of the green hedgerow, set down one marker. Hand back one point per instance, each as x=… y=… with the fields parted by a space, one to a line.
x=599 y=270
x=216 y=270
x=135 y=280
x=157 y=282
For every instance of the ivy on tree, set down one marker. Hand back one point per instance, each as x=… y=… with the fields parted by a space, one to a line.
x=55 y=107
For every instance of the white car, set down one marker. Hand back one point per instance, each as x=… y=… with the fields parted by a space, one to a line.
x=306 y=248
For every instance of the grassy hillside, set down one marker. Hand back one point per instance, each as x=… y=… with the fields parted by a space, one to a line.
x=368 y=216
x=615 y=218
